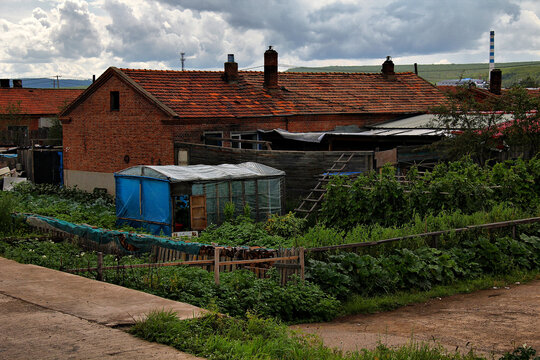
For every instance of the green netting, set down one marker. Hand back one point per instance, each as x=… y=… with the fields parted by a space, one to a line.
x=129 y=241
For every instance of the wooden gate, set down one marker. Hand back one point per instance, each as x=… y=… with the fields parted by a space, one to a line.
x=197 y=205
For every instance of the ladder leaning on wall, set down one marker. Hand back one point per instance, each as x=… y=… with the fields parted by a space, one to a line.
x=310 y=202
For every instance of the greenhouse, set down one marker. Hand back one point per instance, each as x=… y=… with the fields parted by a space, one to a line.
x=168 y=199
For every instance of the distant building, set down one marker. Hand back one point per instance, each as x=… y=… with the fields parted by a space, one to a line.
x=464 y=82
x=26 y=114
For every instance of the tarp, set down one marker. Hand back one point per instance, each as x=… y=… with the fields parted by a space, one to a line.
x=144 y=202
x=195 y=173
x=130 y=242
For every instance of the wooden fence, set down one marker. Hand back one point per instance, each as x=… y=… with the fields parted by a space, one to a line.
x=287 y=261
x=434 y=235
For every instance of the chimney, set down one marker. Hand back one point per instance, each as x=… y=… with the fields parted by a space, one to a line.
x=271 y=69
x=495 y=81
x=388 y=69
x=4 y=83
x=231 y=70
x=17 y=83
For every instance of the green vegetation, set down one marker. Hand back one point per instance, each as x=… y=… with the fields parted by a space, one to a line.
x=461 y=186
x=69 y=204
x=357 y=304
x=217 y=337
x=514 y=73
x=346 y=274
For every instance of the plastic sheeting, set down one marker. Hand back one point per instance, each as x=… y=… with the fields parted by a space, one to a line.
x=144 y=202
x=194 y=173
x=130 y=242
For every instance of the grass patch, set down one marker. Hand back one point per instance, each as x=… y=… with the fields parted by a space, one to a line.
x=360 y=305
x=217 y=337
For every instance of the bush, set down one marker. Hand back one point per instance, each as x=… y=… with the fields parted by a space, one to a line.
x=346 y=274
x=457 y=186
x=286 y=226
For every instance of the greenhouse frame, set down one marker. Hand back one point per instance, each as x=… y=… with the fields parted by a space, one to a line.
x=170 y=198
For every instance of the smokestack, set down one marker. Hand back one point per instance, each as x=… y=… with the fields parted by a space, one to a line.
x=495 y=81
x=388 y=69
x=491 y=52
x=231 y=69
x=4 y=83
x=17 y=83
x=271 y=69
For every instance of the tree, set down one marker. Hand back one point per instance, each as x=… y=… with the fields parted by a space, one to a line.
x=482 y=129
x=523 y=131
x=470 y=126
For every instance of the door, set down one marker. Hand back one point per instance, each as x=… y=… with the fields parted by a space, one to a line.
x=198 y=212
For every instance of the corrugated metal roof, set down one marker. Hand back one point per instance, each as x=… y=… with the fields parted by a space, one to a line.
x=414 y=122
x=424 y=121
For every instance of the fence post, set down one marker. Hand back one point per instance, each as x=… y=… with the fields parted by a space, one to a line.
x=301 y=259
x=216 y=265
x=100 y=266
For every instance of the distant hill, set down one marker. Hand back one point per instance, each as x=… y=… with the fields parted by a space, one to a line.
x=512 y=73
x=49 y=83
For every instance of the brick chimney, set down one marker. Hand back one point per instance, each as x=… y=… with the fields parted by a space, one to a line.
x=4 y=83
x=388 y=69
x=17 y=83
x=495 y=81
x=271 y=69
x=231 y=70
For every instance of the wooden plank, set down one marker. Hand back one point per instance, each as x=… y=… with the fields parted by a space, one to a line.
x=216 y=264
x=302 y=264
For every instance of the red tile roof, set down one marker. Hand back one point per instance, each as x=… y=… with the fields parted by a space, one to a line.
x=37 y=101
x=205 y=94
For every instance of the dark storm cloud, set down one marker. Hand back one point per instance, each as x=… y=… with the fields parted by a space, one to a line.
x=345 y=30
x=76 y=36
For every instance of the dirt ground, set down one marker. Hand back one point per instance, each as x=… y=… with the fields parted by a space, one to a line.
x=490 y=321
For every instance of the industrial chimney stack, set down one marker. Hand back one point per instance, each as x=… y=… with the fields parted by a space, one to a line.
x=491 y=52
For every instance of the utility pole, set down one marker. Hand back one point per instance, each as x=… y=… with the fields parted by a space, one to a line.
x=58 y=81
x=182 y=60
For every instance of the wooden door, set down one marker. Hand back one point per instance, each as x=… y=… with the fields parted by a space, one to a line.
x=197 y=205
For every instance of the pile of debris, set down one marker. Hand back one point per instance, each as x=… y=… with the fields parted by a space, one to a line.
x=9 y=177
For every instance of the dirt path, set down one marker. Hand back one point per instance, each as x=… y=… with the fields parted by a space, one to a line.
x=490 y=321
x=48 y=314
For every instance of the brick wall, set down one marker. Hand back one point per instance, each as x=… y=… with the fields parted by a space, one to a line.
x=97 y=139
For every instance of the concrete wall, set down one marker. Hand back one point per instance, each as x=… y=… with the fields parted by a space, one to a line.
x=89 y=180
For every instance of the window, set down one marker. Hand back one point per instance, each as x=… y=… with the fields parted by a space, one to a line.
x=245 y=136
x=115 y=100
x=209 y=135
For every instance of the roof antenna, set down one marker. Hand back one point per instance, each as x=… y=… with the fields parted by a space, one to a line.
x=182 y=60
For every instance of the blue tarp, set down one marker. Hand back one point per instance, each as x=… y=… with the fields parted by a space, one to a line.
x=144 y=202
x=135 y=243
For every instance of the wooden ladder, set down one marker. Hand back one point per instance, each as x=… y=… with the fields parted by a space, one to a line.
x=310 y=202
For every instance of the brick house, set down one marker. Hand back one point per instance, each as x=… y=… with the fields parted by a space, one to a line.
x=26 y=114
x=129 y=117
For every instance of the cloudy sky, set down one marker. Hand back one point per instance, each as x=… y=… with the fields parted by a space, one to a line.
x=78 y=38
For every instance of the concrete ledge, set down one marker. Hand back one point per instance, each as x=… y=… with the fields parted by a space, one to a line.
x=84 y=298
